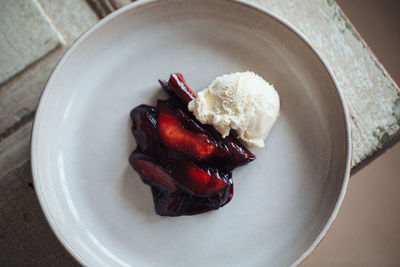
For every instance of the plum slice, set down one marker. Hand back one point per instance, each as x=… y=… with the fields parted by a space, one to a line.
x=203 y=204
x=144 y=128
x=239 y=154
x=188 y=123
x=181 y=89
x=167 y=87
x=167 y=203
x=174 y=136
x=152 y=173
x=191 y=124
x=196 y=180
x=187 y=165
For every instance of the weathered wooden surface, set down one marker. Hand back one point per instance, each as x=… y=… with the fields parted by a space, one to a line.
x=23 y=39
x=372 y=97
x=25 y=238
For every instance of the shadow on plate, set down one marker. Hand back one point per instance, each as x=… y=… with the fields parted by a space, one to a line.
x=138 y=195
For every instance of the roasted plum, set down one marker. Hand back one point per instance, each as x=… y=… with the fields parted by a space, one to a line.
x=182 y=135
x=177 y=87
x=152 y=173
x=188 y=165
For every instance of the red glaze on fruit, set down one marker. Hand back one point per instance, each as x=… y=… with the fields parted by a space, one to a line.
x=181 y=89
x=239 y=154
x=167 y=203
x=177 y=138
x=196 y=180
x=144 y=128
x=167 y=87
x=188 y=165
x=237 y=151
x=189 y=123
x=174 y=136
x=192 y=125
x=152 y=173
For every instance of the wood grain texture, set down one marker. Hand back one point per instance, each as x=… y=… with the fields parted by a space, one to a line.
x=15 y=149
x=20 y=94
x=105 y=7
x=25 y=237
x=23 y=91
x=369 y=91
x=71 y=18
x=25 y=36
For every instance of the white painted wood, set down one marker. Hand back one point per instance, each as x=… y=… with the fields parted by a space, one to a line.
x=69 y=17
x=23 y=92
x=25 y=36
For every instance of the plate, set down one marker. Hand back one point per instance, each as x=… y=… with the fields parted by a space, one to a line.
x=96 y=204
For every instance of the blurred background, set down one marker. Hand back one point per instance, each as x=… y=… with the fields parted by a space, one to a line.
x=366 y=231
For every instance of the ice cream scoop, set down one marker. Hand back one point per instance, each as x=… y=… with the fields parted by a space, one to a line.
x=242 y=101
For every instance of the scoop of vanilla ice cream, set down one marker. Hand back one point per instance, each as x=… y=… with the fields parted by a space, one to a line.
x=242 y=101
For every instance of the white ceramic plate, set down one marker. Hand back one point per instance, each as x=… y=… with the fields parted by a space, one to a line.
x=96 y=204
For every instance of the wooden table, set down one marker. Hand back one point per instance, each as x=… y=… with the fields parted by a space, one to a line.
x=34 y=34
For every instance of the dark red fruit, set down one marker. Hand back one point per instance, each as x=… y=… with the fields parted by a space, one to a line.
x=181 y=89
x=167 y=87
x=174 y=136
x=188 y=165
x=164 y=107
x=173 y=98
x=192 y=125
x=196 y=180
x=144 y=128
x=182 y=203
x=188 y=123
x=203 y=204
x=239 y=154
x=152 y=173
x=167 y=203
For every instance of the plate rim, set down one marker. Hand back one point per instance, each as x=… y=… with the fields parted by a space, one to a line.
x=69 y=52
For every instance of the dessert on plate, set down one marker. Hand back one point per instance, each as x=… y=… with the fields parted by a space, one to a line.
x=187 y=158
